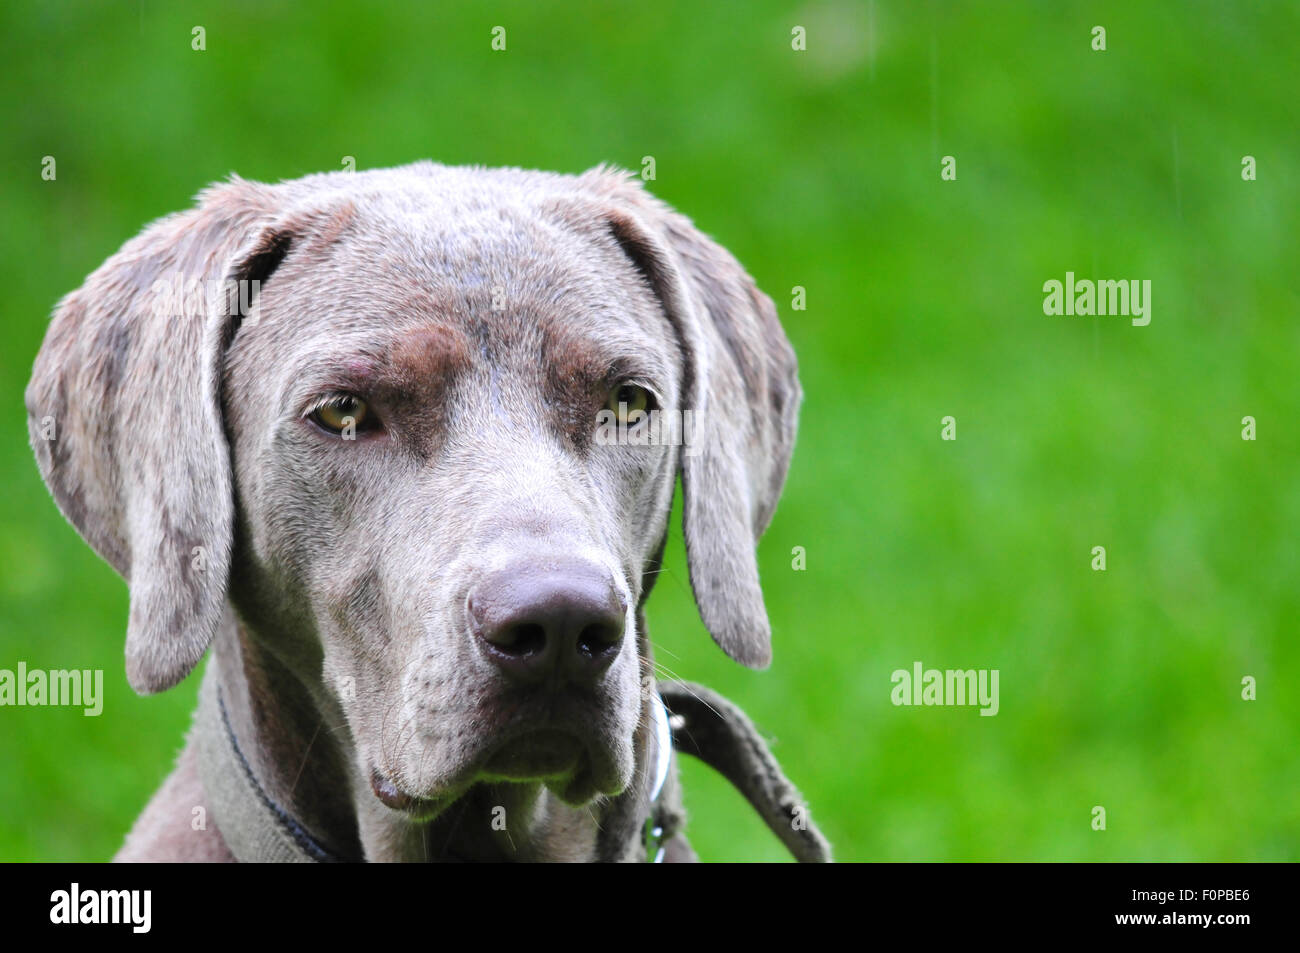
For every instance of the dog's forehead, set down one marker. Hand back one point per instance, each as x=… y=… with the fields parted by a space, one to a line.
x=410 y=285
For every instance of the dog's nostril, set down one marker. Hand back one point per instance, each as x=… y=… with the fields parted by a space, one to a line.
x=555 y=624
x=523 y=639
x=598 y=637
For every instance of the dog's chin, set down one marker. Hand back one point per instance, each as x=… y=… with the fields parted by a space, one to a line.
x=566 y=765
x=572 y=769
x=536 y=756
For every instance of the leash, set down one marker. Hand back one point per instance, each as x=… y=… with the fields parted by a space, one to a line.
x=707 y=726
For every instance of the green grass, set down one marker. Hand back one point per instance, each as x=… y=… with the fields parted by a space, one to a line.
x=818 y=169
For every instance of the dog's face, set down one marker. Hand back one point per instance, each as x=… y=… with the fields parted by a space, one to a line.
x=423 y=460
x=420 y=466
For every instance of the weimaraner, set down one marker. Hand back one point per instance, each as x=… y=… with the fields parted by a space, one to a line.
x=346 y=430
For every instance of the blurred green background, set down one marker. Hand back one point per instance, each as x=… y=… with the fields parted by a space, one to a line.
x=818 y=169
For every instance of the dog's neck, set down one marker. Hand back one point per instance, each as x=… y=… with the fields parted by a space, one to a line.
x=299 y=749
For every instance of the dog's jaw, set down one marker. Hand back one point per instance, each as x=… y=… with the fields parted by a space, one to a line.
x=300 y=750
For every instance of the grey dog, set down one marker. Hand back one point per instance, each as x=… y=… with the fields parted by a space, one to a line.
x=363 y=465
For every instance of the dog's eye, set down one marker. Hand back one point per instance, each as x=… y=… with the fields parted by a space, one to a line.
x=627 y=400
x=343 y=414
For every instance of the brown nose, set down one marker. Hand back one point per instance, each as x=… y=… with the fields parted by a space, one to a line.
x=559 y=623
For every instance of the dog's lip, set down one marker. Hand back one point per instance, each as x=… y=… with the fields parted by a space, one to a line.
x=546 y=754
x=394 y=797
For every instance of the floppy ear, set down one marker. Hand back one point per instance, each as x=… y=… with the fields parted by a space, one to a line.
x=741 y=383
x=126 y=425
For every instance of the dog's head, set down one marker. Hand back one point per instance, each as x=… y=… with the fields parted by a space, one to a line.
x=421 y=428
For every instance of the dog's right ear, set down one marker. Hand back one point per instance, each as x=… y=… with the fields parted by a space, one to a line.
x=125 y=420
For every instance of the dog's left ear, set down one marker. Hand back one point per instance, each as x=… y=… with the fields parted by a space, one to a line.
x=125 y=420
x=742 y=386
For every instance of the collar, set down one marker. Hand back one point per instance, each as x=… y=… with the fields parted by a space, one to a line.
x=254 y=827
x=653 y=833
x=258 y=830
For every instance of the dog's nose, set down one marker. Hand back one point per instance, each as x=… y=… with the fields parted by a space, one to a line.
x=558 y=623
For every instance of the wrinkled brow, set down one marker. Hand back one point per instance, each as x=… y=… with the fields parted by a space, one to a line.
x=598 y=356
x=415 y=365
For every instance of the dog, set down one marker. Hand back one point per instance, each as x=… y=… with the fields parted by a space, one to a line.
x=359 y=457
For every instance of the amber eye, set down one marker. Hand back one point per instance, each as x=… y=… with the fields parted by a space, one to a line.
x=343 y=414
x=629 y=403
